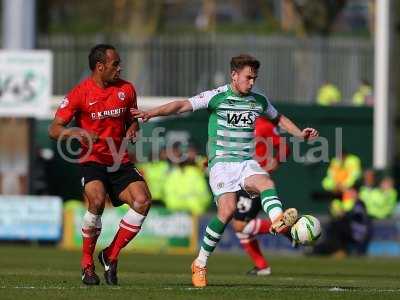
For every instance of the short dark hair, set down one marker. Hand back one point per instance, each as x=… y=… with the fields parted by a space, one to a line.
x=243 y=60
x=98 y=54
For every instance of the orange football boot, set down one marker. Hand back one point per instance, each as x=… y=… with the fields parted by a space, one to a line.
x=199 y=276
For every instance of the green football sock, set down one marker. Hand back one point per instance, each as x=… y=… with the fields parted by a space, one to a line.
x=271 y=203
x=212 y=236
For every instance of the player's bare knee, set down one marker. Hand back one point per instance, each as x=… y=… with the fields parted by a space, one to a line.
x=143 y=200
x=141 y=203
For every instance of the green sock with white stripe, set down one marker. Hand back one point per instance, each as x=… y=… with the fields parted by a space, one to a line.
x=213 y=234
x=271 y=203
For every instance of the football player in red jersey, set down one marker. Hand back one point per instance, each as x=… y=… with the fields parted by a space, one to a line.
x=271 y=149
x=100 y=105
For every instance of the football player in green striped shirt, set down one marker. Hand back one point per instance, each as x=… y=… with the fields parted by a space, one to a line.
x=233 y=110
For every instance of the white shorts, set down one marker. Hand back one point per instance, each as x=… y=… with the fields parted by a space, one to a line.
x=228 y=177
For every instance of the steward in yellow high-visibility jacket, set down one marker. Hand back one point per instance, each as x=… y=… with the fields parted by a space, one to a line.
x=186 y=189
x=380 y=201
x=342 y=173
x=339 y=207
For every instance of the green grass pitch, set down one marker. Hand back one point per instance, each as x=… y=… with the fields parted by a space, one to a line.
x=50 y=273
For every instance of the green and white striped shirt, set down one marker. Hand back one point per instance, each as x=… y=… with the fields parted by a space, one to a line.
x=231 y=122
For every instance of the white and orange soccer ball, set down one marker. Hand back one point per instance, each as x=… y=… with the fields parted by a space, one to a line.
x=306 y=230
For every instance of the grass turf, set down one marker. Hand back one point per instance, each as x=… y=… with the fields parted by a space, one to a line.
x=50 y=273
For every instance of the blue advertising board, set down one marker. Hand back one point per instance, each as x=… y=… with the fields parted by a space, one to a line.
x=30 y=218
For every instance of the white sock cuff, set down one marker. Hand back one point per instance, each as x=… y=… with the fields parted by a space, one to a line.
x=201 y=260
x=134 y=218
x=274 y=213
x=91 y=220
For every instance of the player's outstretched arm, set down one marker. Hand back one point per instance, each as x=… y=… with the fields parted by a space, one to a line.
x=171 y=108
x=289 y=126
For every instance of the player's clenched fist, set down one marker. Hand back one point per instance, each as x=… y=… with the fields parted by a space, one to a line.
x=310 y=133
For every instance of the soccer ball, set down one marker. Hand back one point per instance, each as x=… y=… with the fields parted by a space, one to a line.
x=306 y=230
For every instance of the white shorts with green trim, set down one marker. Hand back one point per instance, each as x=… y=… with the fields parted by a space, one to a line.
x=228 y=177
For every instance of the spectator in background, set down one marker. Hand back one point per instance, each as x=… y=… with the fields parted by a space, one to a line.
x=328 y=94
x=186 y=187
x=388 y=189
x=380 y=201
x=349 y=231
x=363 y=96
x=40 y=171
x=174 y=154
x=369 y=180
x=369 y=185
x=342 y=173
x=14 y=156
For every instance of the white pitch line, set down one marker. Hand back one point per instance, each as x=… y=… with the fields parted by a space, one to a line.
x=269 y=288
